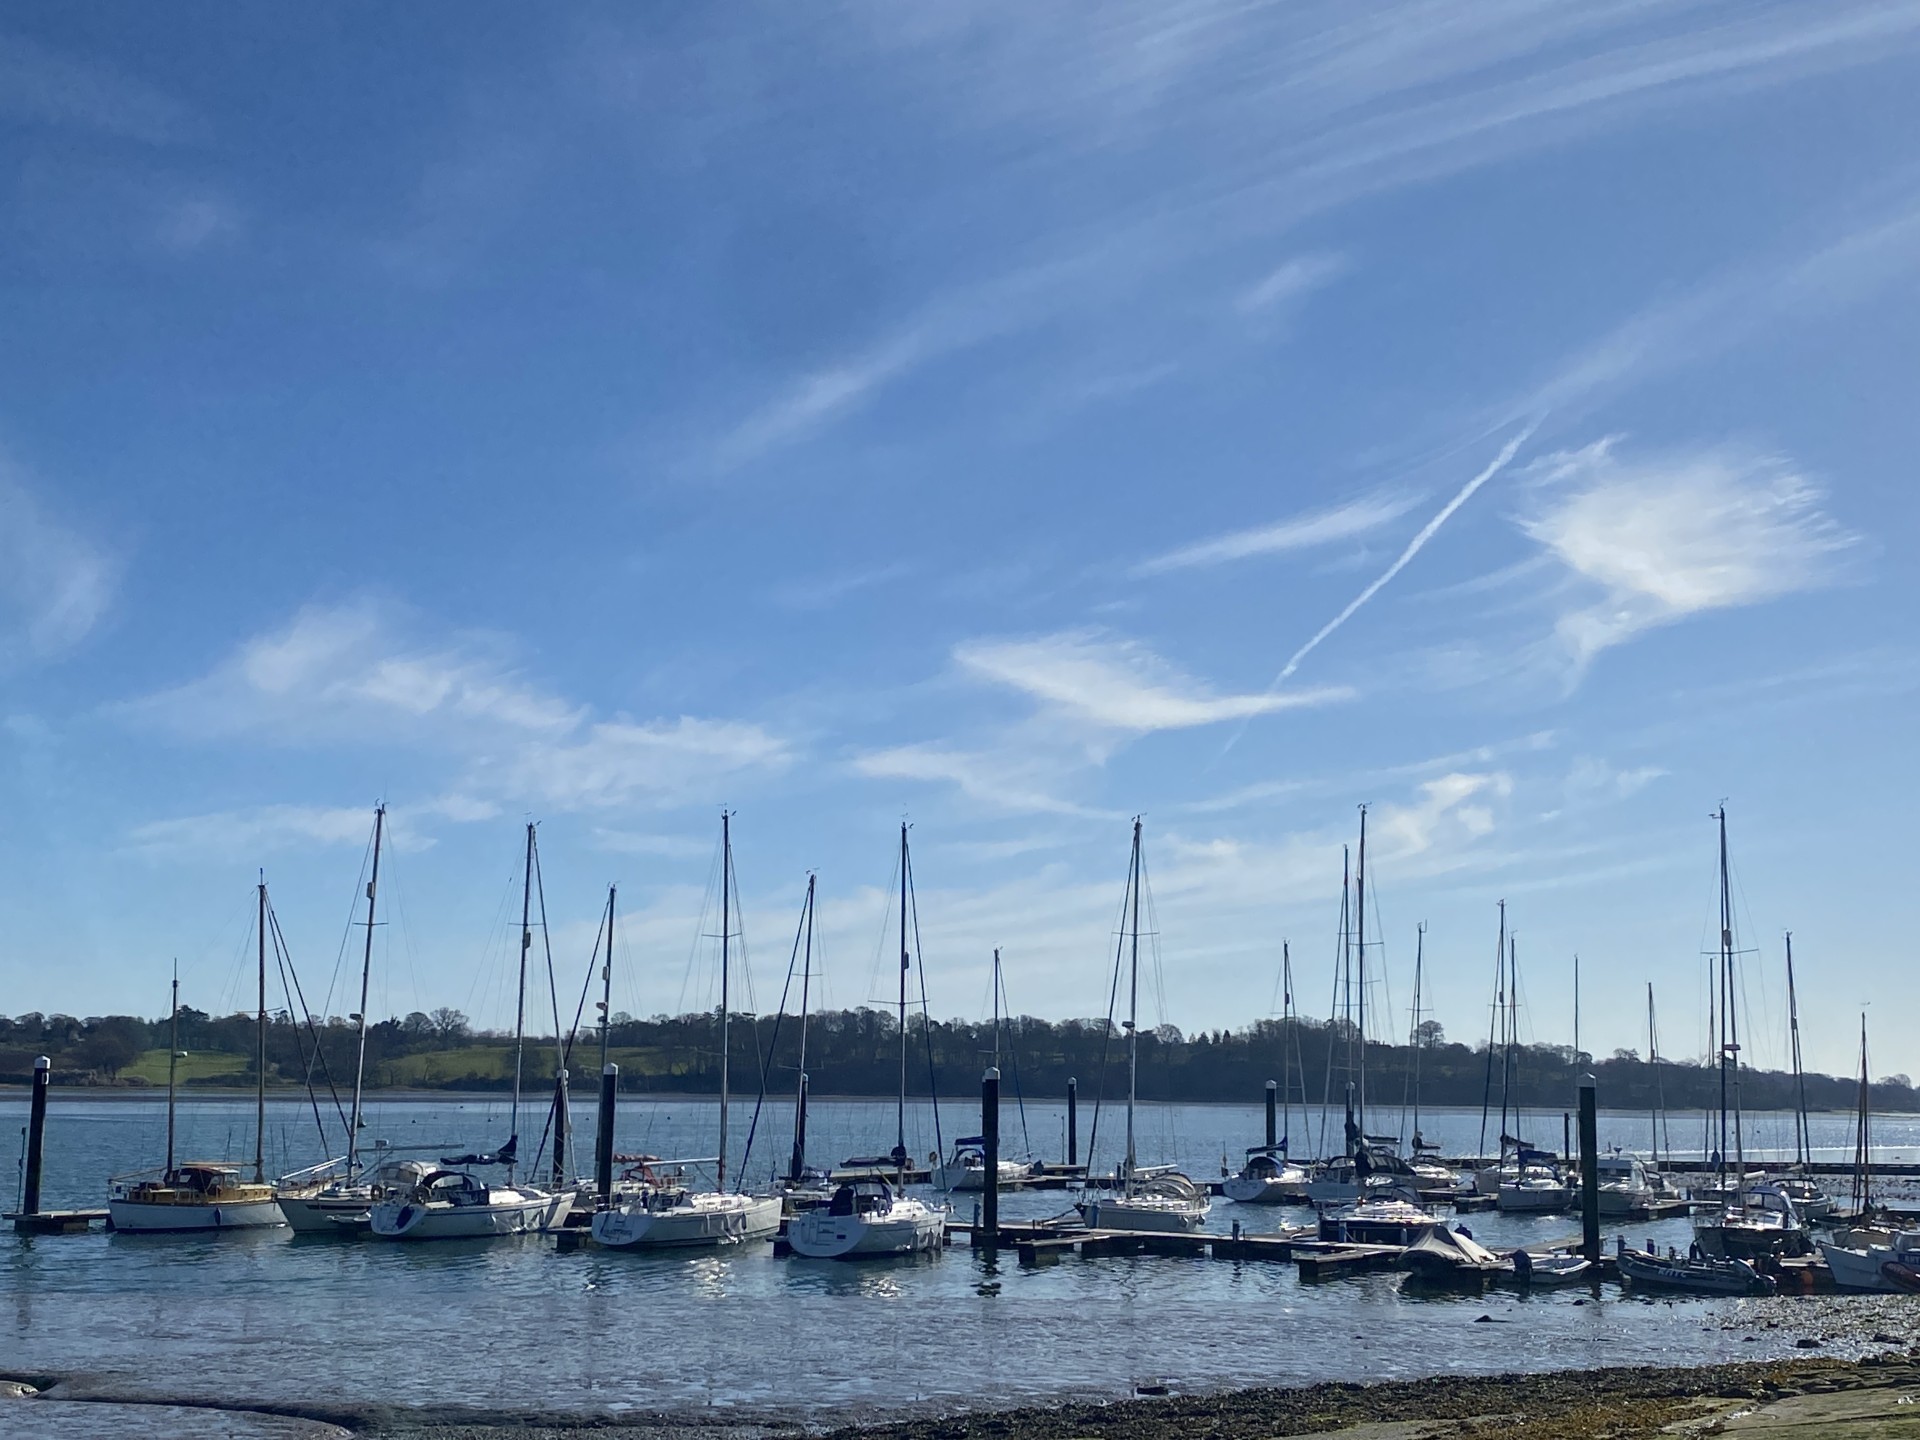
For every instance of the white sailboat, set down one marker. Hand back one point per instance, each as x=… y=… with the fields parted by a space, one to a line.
x=1267 y=1176
x=202 y=1194
x=667 y=1215
x=870 y=1217
x=453 y=1204
x=966 y=1167
x=1159 y=1199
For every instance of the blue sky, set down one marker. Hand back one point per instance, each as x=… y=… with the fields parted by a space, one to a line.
x=1012 y=417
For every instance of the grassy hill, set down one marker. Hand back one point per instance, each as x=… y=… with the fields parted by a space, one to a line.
x=197 y=1066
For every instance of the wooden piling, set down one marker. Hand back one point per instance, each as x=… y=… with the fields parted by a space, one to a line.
x=990 y=1146
x=37 y=1134
x=1273 y=1109
x=1589 y=1170
x=1073 y=1121
x=603 y=1138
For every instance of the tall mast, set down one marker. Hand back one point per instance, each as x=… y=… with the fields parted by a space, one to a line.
x=1802 y=1141
x=173 y=1060
x=1360 y=952
x=1863 y=1144
x=900 y=1114
x=1288 y=1032
x=1576 y=1007
x=1493 y=1027
x=1346 y=963
x=1133 y=1007
x=726 y=957
x=360 y=1019
x=1413 y=1040
x=260 y=1051
x=606 y=982
x=520 y=1010
x=996 y=1007
x=1510 y=1081
x=800 y=1091
x=1653 y=1059
x=1729 y=1023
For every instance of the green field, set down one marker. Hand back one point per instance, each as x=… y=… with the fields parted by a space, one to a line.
x=152 y=1067
x=489 y=1063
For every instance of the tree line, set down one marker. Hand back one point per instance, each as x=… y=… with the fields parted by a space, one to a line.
x=857 y=1053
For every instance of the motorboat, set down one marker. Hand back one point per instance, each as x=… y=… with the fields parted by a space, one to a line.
x=1450 y=1256
x=669 y=1215
x=1810 y=1202
x=198 y=1195
x=453 y=1205
x=1391 y=1219
x=343 y=1205
x=1626 y=1185
x=1267 y=1178
x=1890 y=1267
x=1552 y=1267
x=1167 y=1203
x=966 y=1167
x=865 y=1219
x=1695 y=1275
x=1758 y=1221
x=1535 y=1188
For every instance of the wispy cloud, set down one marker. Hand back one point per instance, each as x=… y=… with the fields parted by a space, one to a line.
x=1290 y=281
x=43 y=86
x=1119 y=684
x=248 y=834
x=55 y=585
x=822 y=592
x=1667 y=536
x=1301 y=532
x=359 y=674
x=999 y=780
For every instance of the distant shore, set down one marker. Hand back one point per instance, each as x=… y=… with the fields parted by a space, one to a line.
x=1862 y=1398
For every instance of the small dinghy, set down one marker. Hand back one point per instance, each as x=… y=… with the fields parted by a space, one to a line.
x=1556 y=1267
x=1703 y=1276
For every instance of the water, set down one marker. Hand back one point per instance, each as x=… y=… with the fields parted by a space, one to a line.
x=521 y=1323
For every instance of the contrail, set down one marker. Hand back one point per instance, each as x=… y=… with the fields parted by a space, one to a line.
x=1414 y=546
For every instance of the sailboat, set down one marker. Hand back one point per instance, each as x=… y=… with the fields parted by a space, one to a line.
x=663 y=1214
x=1754 y=1217
x=1869 y=1257
x=337 y=1196
x=802 y=1185
x=202 y=1194
x=1268 y=1177
x=966 y=1167
x=1160 y=1199
x=872 y=1217
x=1523 y=1178
x=1809 y=1200
x=454 y=1204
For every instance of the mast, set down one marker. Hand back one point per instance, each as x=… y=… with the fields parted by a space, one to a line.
x=1510 y=1079
x=260 y=1055
x=1493 y=1027
x=900 y=1113
x=1360 y=952
x=1802 y=1141
x=173 y=1060
x=1419 y=967
x=1659 y=1095
x=1862 y=1143
x=520 y=1008
x=800 y=1092
x=996 y=1007
x=1576 y=1007
x=726 y=957
x=1729 y=1023
x=1133 y=1008
x=360 y=1019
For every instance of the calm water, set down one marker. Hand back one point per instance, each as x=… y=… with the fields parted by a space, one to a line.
x=267 y=1316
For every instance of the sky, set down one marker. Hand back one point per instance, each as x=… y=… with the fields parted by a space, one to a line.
x=1009 y=418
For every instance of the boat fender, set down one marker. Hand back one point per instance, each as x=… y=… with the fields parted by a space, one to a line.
x=1903 y=1276
x=217 y=1222
x=404 y=1218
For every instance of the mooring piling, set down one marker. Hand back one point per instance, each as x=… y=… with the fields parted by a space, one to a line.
x=990 y=1146
x=1589 y=1170
x=603 y=1138
x=36 y=1135
x=1273 y=1113
x=1073 y=1121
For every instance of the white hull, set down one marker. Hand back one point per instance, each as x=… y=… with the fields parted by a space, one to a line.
x=327 y=1214
x=133 y=1218
x=908 y=1228
x=1333 y=1192
x=1145 y=1213
x=1866 y=1269
x=707 y=1219
x=1531 y=1199
x=1261 y=1189
x=968 y=1177
x=410 y=1220
x=1621 y=1200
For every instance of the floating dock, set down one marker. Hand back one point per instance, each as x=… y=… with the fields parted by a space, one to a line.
x=55 y=1222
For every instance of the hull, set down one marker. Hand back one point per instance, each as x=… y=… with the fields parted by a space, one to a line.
x=1624 y=1201
x=964 y=1177
x=906 y=1230
x=132 y=1217
x=1750 y=1242
x=395 y=1220
x=1360 y=1231
x=709 y=1220
x=1144 y=1214
x=1262 y=1190
x=1695 y=1277
x=327 y=1214
x=1532 y=1199
x=1332 y=1192
x=1877 y=1268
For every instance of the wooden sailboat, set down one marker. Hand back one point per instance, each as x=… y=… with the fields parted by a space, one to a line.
x=872 y=1216
x=662 y=1213
x=1162 y=1199
x=452 y=1203
x=202 y=1194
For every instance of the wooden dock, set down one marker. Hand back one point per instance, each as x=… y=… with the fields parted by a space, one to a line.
x=56 y=1222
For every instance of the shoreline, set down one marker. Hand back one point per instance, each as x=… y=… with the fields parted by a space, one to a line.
x=1869 y=1396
